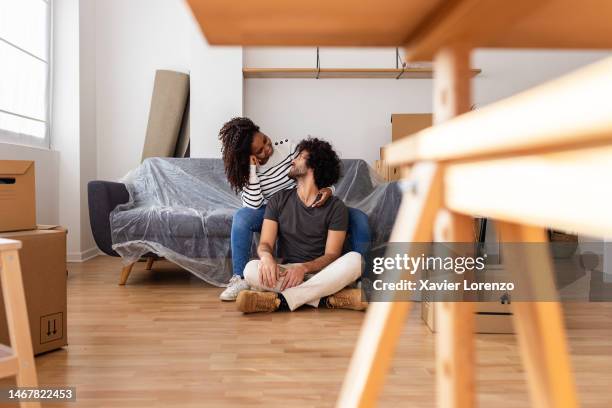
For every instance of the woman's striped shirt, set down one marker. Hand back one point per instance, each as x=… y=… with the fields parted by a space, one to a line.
x=266 y=180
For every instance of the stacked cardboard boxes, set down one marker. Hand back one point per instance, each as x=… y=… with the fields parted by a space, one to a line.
x=42 y=258
x=402 y=125
x=494 y=317
x=491 y=317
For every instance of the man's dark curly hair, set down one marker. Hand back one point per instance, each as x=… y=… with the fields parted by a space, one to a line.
x=322 y=159
x=236 y=137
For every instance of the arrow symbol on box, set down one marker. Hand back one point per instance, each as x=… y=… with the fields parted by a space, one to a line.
x=54 y=331
x=48 y=327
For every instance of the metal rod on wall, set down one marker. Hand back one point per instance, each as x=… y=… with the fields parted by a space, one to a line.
x=397 y=62
x=318 y=64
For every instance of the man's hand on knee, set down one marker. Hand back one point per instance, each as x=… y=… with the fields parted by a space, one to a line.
x=268 y=271
x=295 y=276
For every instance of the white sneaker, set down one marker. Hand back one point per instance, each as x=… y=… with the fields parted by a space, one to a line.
x=234 y=287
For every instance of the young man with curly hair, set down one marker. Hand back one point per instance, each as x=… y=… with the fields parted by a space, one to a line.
x=310 y=241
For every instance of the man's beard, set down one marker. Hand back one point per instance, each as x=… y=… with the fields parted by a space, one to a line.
x=296 y=172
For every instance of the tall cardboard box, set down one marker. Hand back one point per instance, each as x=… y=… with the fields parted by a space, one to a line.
x=405 y=124
x=402 y=124
x=17 y=195
x=43 y=269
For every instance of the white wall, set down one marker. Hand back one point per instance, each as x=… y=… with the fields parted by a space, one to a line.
x=354 y=114
x=216 y=94
x=87 y=136
x=508 y=72
x=73 y=119
x=65 y=120
x=134 y=39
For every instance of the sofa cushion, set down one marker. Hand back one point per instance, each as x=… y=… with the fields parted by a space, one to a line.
x=157 y=222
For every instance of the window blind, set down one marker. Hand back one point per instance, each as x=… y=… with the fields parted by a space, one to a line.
x=25 y=42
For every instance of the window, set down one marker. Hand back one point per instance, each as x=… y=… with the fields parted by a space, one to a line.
x=25 y=39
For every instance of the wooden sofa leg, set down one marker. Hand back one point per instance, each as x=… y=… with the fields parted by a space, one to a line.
x=150 y=261
x=125 y=273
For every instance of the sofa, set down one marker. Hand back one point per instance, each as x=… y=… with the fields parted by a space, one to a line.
x=182 y=209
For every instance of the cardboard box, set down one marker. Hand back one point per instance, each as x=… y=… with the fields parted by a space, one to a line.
x=388 y=173
x=394 y=173
x=17 y=195
x=43 y=269
x=491 y=317
x=494 y=317
x=402 y=124
x=405 y=124
x=381 y=169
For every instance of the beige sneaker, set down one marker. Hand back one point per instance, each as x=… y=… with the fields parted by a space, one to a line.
x=250 y=301
x=347 y=299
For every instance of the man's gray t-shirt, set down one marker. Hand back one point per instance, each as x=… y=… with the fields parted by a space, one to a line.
x=302 y=231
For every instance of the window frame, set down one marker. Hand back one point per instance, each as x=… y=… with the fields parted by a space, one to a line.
x=9 y=137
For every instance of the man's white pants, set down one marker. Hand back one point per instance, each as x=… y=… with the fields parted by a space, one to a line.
x=333 y=278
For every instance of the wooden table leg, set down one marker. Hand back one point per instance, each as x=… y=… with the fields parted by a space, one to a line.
x=455 y=326
x=384 y=320
x=455 y=373
x=540 y=326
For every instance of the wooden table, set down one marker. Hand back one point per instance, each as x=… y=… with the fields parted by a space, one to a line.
x=532 y=145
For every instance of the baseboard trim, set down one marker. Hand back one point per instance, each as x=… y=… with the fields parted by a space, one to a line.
x=83 y=255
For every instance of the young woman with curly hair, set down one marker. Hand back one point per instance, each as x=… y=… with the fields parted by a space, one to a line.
x=258 y=167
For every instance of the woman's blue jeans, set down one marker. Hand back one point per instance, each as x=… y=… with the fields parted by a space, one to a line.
x=248 y=220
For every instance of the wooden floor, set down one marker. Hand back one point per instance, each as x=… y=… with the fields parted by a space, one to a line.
x=165 y=340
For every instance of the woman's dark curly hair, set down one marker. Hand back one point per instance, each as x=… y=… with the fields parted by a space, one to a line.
x=236 y=137
x=322 y=159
